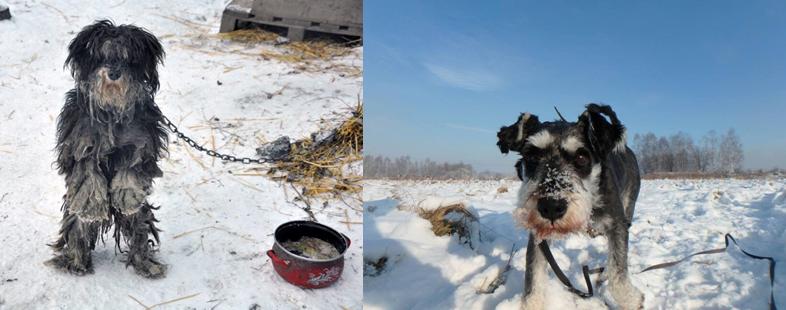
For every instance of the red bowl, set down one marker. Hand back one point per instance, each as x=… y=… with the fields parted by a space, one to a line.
x=303 y=271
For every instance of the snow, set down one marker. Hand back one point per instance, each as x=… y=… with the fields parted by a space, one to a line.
x=216 y=225
x=673 y=219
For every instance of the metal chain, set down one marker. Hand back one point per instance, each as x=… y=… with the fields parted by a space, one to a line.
x=210 y=152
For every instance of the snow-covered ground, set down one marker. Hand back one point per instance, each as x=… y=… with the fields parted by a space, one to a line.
x=673 y=219
x=217 y=225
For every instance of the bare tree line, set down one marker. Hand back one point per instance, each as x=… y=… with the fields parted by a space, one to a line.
x=678 y=153
x=404 y=167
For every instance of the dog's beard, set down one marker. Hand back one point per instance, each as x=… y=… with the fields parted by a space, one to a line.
x=580 y=200
x=111 y=101
x=108 y=94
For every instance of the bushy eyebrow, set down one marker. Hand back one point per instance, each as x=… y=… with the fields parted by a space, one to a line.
x=571 y=144
x=541 y=140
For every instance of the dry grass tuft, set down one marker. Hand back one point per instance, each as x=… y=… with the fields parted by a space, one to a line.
x=321 y=50
x=294 y=52
x=306 y=56
x=249 y=36
x=307 y=53
x=453 y=219
x=321 y=169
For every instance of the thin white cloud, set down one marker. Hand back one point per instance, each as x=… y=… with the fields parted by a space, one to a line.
x=388 y=52
x=470 y=128
x=475 y=80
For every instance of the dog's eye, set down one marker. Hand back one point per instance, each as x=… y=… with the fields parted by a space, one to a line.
x=581 y=160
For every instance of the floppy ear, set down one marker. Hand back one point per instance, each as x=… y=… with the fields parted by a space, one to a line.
x=147 y=51
x=85 y=45
x=513 y=137
x=603 y=137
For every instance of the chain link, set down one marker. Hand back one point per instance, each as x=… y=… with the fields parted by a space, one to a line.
x=210 y=152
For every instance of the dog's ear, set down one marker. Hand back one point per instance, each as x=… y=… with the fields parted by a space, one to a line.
x=603 y=136
x=513 y=137
x=85 y=45
x=147 y=51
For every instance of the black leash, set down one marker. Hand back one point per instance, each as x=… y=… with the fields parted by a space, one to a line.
x=544 y=247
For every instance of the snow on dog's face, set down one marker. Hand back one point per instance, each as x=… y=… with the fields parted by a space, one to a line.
x=115 y=66
x=561 y=167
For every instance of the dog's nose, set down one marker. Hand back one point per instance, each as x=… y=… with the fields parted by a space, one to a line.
x=552 y=209
x=114 y=74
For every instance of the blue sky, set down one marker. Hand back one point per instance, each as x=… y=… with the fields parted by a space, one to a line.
x=441 y=77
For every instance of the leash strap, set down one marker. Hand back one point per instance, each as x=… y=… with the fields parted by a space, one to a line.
x=727 y=237
x=544 y=247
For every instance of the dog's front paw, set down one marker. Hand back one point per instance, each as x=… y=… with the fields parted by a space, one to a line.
x=533 y=302
x=627 y=296
x=149 y=268
x=63 y=263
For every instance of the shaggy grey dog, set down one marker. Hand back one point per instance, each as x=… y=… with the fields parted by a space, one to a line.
x=109 y=139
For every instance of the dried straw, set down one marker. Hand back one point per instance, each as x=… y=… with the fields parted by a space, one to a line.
x=310 y=55
x=320 y=169
x=249 y=36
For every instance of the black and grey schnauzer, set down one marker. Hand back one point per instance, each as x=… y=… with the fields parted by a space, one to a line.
x=578 y=178
x=109 y=139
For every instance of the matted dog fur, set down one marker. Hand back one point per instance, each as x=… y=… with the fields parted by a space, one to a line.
x=109 y=140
